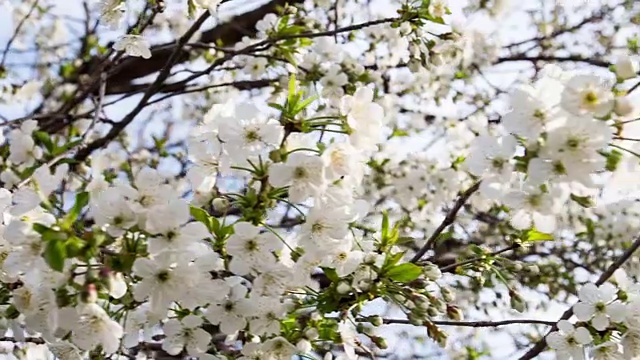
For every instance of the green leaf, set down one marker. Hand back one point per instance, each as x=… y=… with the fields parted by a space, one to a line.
x=199 y=214
x=292 y=89
x=331 y=274
x=203 y=216
x=457 y=162
x=304 y=104
x=44 y=138
x=535 y=235
x=404 y=272
x=191 y=6
x=82 y=199
x=62 y=149
x=385 y=224
x=55 y=254
x=584 y=201
x=41 y=229
x=613 y=159
x=391 y=260
x=399 y=133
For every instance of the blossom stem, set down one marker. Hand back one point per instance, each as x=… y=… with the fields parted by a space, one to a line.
x=472 y=260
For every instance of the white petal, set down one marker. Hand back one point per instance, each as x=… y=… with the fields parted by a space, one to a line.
x=565 y=326
x=583 y=336
x=584 y=311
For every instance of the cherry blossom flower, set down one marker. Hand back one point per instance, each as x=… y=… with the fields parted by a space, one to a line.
x=569 y=341
x=133 y=45
x=186 y=333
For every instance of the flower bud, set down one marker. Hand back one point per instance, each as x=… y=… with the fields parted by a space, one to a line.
x=89 y=294
x=343 y=288
x=626 y=68
x=447 y=294
x=220 y=204
x=442 y=339
x=454 y=312
x=380 y=342
x=375 y=320
x=517 y=302
x=534 y=269
x=311 y=333
x=623 y=106
x=432 y=272
x=415 y=319
x=304 y=346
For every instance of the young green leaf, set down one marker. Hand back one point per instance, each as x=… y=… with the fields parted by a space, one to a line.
x=55 y=254
x=535 y=235
x=404 y=272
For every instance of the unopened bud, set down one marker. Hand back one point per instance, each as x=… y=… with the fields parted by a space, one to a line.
x=220 y=204
x=454 y=313
x=418 y=284
x=442 y=339
x=517 y=302
x=375 y=320
x=626 y=68
x=623 y=106
x=311 y=333
x=432 y=272
x=380 y=342
x=421 y=301
x=304 y=346
x=89 y=294
x=343 y=288
x=534 y=269
x=415 y=319
x=447 y=294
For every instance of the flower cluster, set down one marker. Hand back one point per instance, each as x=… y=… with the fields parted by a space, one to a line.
x=607 y=327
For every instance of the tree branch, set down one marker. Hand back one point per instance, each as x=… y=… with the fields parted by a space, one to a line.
x=536 y=58
x=475 y=323
x=448 y=220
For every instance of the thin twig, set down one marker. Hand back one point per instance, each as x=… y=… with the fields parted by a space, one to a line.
x=472 y=260
x=476 y=323
x=16 y=32
x=448 y=220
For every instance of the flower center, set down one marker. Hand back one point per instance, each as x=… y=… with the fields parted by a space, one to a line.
x=228 y=306
x=534 y=200
x=590 y=98
x=498 y=163
x=251 y=245
x=539 y=114
x=317 y=228
x=163 y=276
x=299 y=173
x=251 y=135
